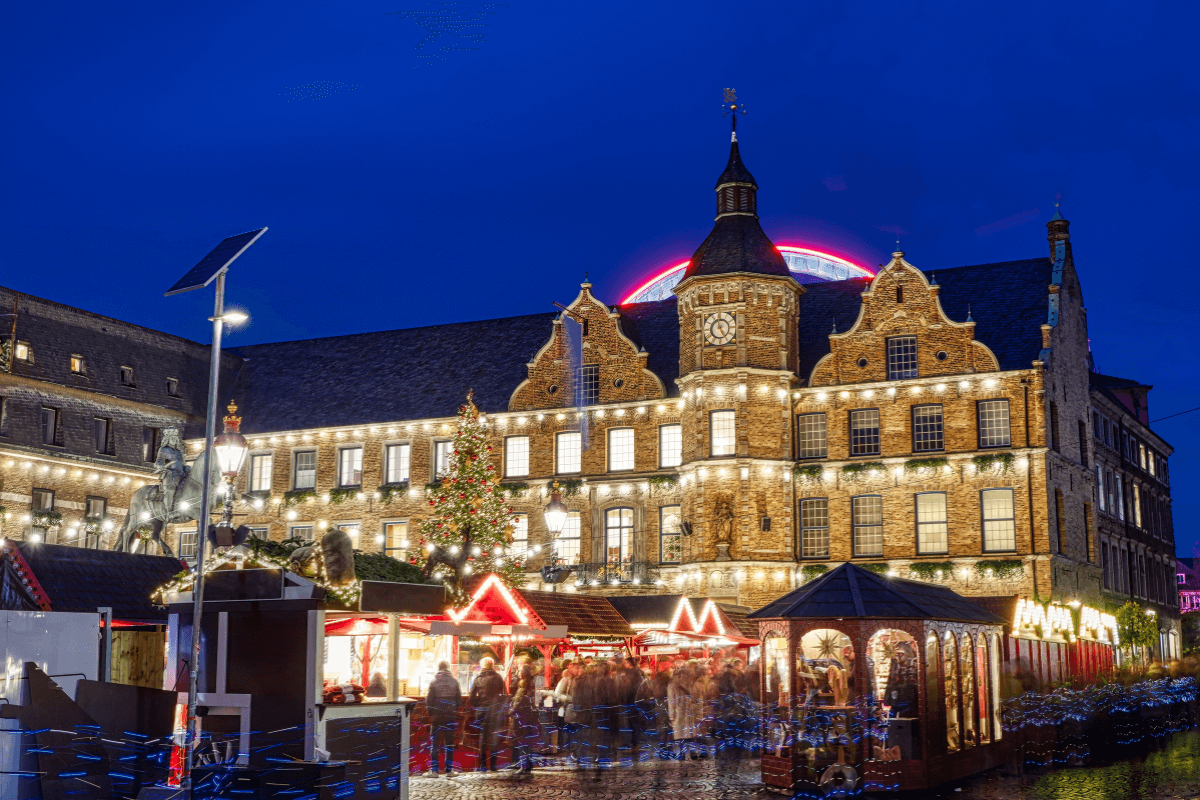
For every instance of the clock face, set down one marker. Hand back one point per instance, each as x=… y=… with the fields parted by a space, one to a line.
x=719 y=328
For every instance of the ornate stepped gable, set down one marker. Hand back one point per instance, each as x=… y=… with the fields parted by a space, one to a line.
x=901 y=301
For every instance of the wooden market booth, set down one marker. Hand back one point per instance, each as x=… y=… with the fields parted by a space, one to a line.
x=852 y=648
x=675 y=625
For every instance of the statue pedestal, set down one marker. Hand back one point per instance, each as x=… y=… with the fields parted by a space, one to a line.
x=723 y=552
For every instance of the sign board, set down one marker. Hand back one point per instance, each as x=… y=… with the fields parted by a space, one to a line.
x=243 y=584
x=414 y=599
x=661 y=650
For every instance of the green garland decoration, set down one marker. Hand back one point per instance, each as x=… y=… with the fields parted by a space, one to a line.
x=1005 y=570
x=931 y=570
x=935 y=464
x=45 y=519
x=999 y=462
x=811 y=572
x=433 y=486
x=571 y=488
x=390 y=490
x=342 y=494
x=808 y=474
x=853 y=473
x=662 y=483
x=878 y=569
x=297 y=496
x=515 y=488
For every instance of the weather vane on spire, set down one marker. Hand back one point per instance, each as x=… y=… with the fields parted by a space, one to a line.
x=732 y=108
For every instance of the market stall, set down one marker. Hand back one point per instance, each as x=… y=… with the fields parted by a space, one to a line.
x=878 y=684
x=670 y=626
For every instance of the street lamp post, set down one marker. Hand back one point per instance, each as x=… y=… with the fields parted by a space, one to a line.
x=555 y=514
x=211 y=268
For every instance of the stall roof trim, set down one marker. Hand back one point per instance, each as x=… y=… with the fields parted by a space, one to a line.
x=850 y=591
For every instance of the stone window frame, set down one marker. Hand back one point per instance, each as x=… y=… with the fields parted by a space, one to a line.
x=252 y=474
x=341 y=479
x=558 y=453
x=295 y=454
x=302 y=525
x=385 y=545
x=980 y=407
x=918 y=523
x=941 y=428
x=623 y=557
x=878 y=438
x=434 y=445
x=608 y=448
x=806 y=528
x=712 y=418
x=855 y=525
x=662 y=461
x=508 y=460
x=984 y=520
x=663 y=533
x=386 y=459
x=801 y=436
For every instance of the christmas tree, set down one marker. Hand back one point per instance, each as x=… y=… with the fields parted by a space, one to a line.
x=470 y=529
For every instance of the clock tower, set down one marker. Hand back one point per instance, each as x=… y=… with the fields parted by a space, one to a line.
x=738 y=307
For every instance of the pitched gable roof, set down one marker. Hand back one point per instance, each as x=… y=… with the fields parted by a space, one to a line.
x=851 y=591
x=81 y=579
x=584 y=615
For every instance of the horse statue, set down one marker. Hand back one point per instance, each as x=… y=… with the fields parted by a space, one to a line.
x=148 y=507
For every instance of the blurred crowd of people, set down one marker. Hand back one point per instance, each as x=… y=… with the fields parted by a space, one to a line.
x=596 y=712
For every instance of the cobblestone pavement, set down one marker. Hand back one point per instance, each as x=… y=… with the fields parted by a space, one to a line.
x=1169 y=773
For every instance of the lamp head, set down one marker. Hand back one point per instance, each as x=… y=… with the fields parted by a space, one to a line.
x=231 y=445
x=555 y=511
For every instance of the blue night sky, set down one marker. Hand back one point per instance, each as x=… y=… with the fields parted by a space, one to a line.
x=480 y=173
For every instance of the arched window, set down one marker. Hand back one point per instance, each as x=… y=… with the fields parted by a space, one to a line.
x=931 y=682
x=983 y=686
x=970 y=697
x=994 y=661
x=618 y=535
x=823 y=666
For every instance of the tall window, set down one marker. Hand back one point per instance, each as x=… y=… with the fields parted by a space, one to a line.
x=520 y=526
x=43 y=500
x=1104 y=570
x=516 y=456
x=620 y=449
x=443 y=451
x=261 y=465
x=670 y=537
x=1055 y=441
x=187 y=545
x=618 y=535
x=304 y=469
x=568 y=540
x=567 y=455
x=1142 y=454
x=814 y=527
x=902 y=357
x=994 y=429
x=49 y=425
x=999 y=520
x=350 y=466
x=100 y=429
x=931 y=523
x=397 y=458
x=1137 y=505
x=927 y=429
x=589 y=384
x=149 y=444
x=723 y=433
x=811 y=437
x=866 y=513
x=670 y=445
x=1101 y=490
x=864 y=432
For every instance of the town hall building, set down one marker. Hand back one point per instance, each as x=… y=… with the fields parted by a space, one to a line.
x=734 y=439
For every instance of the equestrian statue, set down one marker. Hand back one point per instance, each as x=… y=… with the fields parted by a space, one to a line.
x=176 y=498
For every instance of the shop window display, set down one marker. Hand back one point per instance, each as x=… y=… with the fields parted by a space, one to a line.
x=970 y=708
x=827 y=672
x=950 y=692
x=356 y=661
x=983 y=687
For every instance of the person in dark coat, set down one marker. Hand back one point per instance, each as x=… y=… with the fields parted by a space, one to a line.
x=442 y=702
x=525 y=718
x=487 y=702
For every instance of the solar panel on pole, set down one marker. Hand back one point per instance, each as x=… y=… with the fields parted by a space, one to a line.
x=215 y=262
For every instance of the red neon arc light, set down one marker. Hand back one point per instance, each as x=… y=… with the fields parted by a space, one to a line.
x=862 y=272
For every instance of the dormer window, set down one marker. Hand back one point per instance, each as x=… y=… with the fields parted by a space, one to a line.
x=173 y=387
x=77 y=364
x=23 y=352
x=127 y=376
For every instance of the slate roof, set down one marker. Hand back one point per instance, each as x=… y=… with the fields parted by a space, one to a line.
x=849 y=591
x=584 y=615
x=736 y=244
x=740 y=617
x=735 y=170
x=81 y=579
x=419 y=373
x=647 y=609
x=412 y=373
